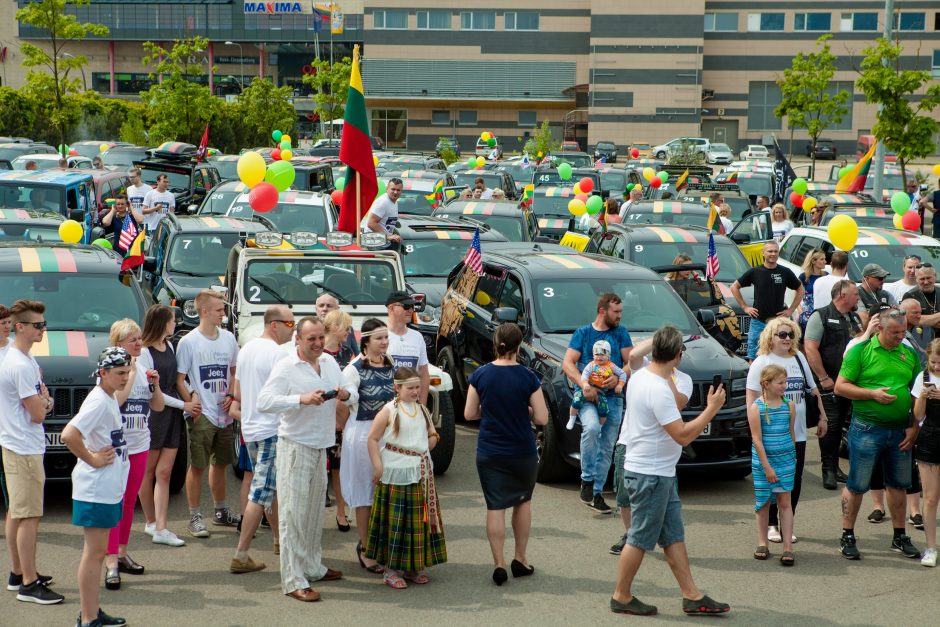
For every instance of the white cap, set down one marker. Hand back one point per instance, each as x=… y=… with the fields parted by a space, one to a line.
x=601 y=347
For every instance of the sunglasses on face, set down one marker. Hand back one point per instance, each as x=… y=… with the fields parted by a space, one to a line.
x=786 y=335
x=287 y=323
x=39 y=326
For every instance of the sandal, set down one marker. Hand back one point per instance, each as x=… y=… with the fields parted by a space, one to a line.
x=787 y=558
x=761 y=553
x=394 y=580
x=112 y=579
x=374 y=568
x=419 y=578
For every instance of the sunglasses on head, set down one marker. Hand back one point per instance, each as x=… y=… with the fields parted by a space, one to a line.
x=923 y=265
x=287 y=323
x=786 y=335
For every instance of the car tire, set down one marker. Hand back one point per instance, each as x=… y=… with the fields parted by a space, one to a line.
x=661 y=155
x=552 y=466
x=443 y=453
x=448 y=363
x=180 y=464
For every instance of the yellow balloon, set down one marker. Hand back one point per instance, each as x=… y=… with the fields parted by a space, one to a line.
x=648 y=173
x=936 y=169
x=897 y=222
x=809 y=203
x=251 y=169
x=481 y=162
x=71 y=232
x=843 y=232
x=286 y=155
x=375 y=161
x=577 y=189
x=485 y=136
x=577 y=207
x=285 y=138
x=103 y=147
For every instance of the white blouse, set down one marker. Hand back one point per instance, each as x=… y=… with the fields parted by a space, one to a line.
x=399 y=469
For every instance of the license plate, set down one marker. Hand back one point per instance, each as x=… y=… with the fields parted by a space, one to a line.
x=54 y=440
x=706 y=431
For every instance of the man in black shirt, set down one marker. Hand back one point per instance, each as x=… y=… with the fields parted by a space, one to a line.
x=926 y=294
x=113 y=222
x=770 y=283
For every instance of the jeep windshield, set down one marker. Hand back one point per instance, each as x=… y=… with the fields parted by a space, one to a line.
x=643 y=216
x=889 y=256
x=551 y=205
x=647 y=305
x=652 y=254
x=614 y=180
x=519 y=173
x=287 y=217
x=86 y=302
x=201 y=254
x=414 y=202
x=433 y=257
x=356 y=281
x=510 y=227
x=179 y=177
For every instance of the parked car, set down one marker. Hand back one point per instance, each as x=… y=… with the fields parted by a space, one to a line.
x=607 y=151
x=483 y=149
x=644 y=150
x=570 y=146
x=754 y=151
x=698 y=144
x=719 y=154
x=443 y=143
x=825 y=149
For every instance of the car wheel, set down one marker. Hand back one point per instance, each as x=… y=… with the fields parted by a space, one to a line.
x=443 y=453
x=661 y=155
x=448 y=363
x=552 y=466
x=178 y=472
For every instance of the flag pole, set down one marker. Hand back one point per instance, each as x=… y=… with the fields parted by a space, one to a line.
x=358 y=211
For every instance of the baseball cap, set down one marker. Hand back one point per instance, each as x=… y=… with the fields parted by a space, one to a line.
x=873 y=269
x=113 y=357
x=400 y=297
x=601 y=347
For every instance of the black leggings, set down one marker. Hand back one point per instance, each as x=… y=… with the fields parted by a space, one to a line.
x=797 y=484
x=838 y=414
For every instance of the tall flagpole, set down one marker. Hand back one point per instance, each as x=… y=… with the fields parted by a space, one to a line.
x=358 y=212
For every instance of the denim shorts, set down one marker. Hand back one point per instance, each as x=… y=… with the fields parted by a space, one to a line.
x=620 y=488
x=656 y=511
x=868 y=443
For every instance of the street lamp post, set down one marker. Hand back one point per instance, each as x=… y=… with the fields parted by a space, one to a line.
x=82 y=68
x=241 y=62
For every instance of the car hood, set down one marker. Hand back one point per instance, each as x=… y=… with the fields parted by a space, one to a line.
x=432 y=287
x=68 y=358
x=188 y=286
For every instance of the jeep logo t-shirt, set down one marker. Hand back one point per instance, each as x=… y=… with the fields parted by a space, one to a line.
x=207 y=363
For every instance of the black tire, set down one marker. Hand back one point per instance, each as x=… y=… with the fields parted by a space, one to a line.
x=660 y=155
x=443 y=453
x=448 y=363
x=552 y=465
x=178 y=472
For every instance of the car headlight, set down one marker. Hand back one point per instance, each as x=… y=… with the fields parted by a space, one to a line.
x=739 y=385
x=430 y=315
x=189 y=309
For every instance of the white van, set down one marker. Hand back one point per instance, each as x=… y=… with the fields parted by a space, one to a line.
x=662 y=151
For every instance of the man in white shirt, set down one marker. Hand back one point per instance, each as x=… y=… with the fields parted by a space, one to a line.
x=907 y=283
x=24 y=403
x=255 y=362
x=137 y=191
x=636 y=195
x=303 y=389
x=822 y=287
x=157 y=203
x=207 y=357
x=485 y=192
x=656 y=434
x=383 y=215
x=406 y=346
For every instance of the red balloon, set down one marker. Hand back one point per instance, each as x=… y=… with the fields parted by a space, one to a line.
x=73 y=152
x=262 y=197
x=337 y=196
x=276 y=154
x=634 y=152
x=582 y=197
x=910 y=221
x=796 y=199
x=587 y=184
x=656 y=182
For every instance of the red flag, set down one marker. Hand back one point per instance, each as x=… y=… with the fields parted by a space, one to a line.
x=355 y=150
x=203 y=145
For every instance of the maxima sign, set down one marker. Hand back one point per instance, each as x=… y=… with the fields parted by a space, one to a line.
x=280 y=8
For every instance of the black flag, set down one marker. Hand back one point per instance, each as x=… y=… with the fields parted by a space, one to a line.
x=783 y=173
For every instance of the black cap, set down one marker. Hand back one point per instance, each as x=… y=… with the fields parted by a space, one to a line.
x=398 y=296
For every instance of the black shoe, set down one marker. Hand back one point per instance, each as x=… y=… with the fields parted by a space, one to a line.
x=343 y=527
x=829 y=479
x=500 y=576
x=917 y=520
x=107 y=619
x=705 y=605
x=902 y=545
x=599 y=505
x=112 y=578
x=38 y=593
x=876 y=516
x=15 y=581
x=635 y=607
x=587 y=492
x=129 y=566
x=264 y=521
x=521 y=570
x=617 y=548
x=848 y=548
x=841 y=477
x=95 y=622
x=329 y=502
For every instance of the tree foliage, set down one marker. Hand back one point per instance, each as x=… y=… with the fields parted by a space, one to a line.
x=265 y=108
x=49 y=81
x=331 y=82
x=543 y=142
x=903 y=122
x=808 y=100
x=17 y=113
x=686 y=153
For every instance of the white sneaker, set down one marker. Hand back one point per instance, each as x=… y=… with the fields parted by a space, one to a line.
x=167 y=537
x=150 y=528
x=773 y=534
x=929 y=559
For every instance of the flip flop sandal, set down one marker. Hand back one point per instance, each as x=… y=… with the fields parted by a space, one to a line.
x=787 y=558
x=420 y=578
x=394 y=580
x=762 y=553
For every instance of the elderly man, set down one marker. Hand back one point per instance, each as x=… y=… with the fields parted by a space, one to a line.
x=872 y=297
x=918 y=336
x=636 y=195
x=877 y=376
x=926 y=294
x=303 y=390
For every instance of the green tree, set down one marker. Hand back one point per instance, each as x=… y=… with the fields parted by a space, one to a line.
x=179 y=106
x=686 y=154
x=265 y=108
x=331 y=83
x=447 y=152
x=17 y=113
x=49 y=83
x=904 y=125
x=809 y=101
x=542 y=143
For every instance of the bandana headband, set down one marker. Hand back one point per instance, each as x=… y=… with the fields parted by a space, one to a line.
x=409 y=381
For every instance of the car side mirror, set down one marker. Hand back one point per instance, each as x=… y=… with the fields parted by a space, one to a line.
x=150 y=264
x=505 y=314
x=192 y=209
x=542 y=239
x=740 y=238
x=706 y=318
x=97 y=233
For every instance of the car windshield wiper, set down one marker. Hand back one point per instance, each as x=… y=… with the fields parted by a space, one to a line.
x=188 y=273
x=267 y=288
x=422 y=274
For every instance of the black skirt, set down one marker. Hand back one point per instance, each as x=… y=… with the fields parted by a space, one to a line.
x=507 y=481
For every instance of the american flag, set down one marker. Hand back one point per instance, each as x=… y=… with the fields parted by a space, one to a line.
x=128 y=232
x=711 y=264
x=474 y=257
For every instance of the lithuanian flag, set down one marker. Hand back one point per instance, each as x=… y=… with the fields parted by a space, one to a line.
x=436 y=195
x=714 y=224
x=854 y=180
x=135 y=254
x=355 y=150
x=683 y=181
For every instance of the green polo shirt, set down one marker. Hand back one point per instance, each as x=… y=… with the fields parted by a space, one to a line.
x=871 y=366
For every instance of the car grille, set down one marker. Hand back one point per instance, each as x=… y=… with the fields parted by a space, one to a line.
x=744 y=323
x=700 y=393
x=68 y=400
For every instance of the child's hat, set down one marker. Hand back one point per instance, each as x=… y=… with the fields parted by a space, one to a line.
x=602 y=347
x=113 y=357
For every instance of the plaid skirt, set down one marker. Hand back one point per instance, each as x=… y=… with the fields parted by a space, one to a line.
x=400 y=535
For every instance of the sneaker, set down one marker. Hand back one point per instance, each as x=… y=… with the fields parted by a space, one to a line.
x=876 y=516
x=705 y=605
x=848 y=548
x=167 y=537
x=635 y=607
x=917 y=520
x=929 y=559
x=225 y=518
x=587 y=492
x=617 y=548
x=902 y=544
x=150 y=528
x=249 y=565
x=15 y=581
x=36 y=592
x=107 y=619
x=773 y=534
x=196 y=527
x=599 y=505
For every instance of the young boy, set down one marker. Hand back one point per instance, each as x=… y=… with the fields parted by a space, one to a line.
x=594 y=375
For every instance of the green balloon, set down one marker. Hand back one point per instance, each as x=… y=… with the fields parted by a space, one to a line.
x=630 y=186
x=341 y=184
x=285 y=145
x=277 y=135
x=491 y=142
x=800 y=186
x=564 y=171
x=381 y=187
x=102 y=243
x=900 y=202
x=280 y=174
x=663 y=177
x=472 y=164
x=594 y=205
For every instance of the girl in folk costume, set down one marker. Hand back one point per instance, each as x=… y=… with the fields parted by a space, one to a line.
x=406 y=532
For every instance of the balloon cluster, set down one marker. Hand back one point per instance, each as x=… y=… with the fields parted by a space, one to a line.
x=655 y=179
x=283 y=150
x=905 y=212
x=632 y=186
x=264 y=181
x=798 y=195
x=66 y=150
x=475 y=162
x=488 y=138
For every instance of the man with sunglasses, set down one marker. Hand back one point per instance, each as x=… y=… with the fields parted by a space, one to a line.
x=908 y=282
x=926 y=294
x=137 y=191
x=255 y=362
x=24 y=404
x=872 y=297
x=406 y=346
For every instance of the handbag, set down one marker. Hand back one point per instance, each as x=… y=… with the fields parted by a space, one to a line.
x=809 y=399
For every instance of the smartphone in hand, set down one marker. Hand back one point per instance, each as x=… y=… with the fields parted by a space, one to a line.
x=716 y=381
x=327 y=396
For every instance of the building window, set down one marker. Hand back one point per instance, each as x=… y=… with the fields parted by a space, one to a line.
x=440 y=118
x=391 y=126
x=910 y=21
x=390 y=19
x=721 y=22
x=935 y=66
x=528 y=118
x=763 y=98
x=434 y=20
x=812 y=21
x=860 y=22
x=467 y=118
x=760 y=22
x=522 y=20
x=478 y=20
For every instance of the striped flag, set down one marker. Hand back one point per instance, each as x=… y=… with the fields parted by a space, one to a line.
x=355 y=150
x=683 y=181
x=711 y=263
x=714 y=223
x=128 y=232
x=854 y=179
x=474 y=257
x=135 y=254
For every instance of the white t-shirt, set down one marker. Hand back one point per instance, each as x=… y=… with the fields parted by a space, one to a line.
x=135 y=413
x=898 y=289
x=795 y=384
x=136 y=195
x=408 y=349
x=4 y=349
x=19 y=379
x=487 y=194
x=918 y=386
x=165 y=203
x=207 y=364
x=683 y=384
x=256 y=361
x=386 y=210
x=99 y=422
x=650 y=406
x=822 y=290
x=781 y=229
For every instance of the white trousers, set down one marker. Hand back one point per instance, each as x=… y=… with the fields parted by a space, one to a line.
x=301 y=494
